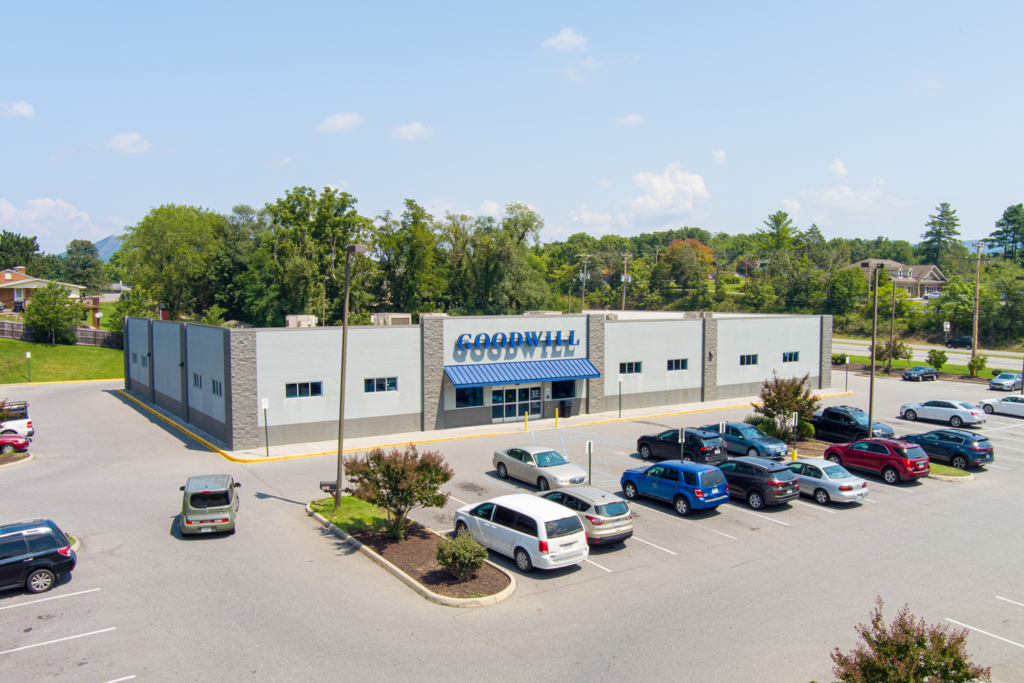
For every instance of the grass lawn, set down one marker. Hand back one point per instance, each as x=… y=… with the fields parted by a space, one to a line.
x=353 y=514
x=58 y=363
x=951 y=369
x=946 y=471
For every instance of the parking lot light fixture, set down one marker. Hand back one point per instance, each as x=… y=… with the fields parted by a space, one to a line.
x=874 y=343
x=352 y=249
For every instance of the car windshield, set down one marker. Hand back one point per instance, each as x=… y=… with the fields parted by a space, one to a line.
x=920 y=368
x=712 y=478
x=550 y=459
x=1007 y=375
x=837 y=472
x=563 y=527
x=861 y=418
x=751 y=433
x=612 y=509
x=966 y=406
x=912 y=453
x=208 y=499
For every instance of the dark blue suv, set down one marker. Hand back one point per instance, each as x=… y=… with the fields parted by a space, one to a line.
x=955 y=447
x=687 y=485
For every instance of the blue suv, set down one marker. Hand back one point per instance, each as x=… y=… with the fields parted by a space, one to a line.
x=687 y=485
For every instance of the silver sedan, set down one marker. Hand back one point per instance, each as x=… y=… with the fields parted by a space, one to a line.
x=828 y=482
x=538 y=465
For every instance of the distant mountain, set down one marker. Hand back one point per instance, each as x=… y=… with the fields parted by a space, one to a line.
x=106 y=247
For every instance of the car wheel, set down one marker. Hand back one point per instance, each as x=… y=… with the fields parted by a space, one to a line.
x=835 y=458
x=949 y=346
x=959 y=462
x=7 y=448
x=461 y=528
x=891 y=476
x=40 y=581
x=682 y=506
x=8 y=432
x=231 y=531
x=523 y=561
x=988 y=409
x=687 y=458
x=753 y=452
x=821 y=497
x=543 y=484
x=645 y=452
x=910 y=415
x=629 y=489
x=955 y=421
x=502 y=470
x=755 y=500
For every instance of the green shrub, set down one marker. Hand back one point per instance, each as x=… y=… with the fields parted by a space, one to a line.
x=976 y=365
x=462 y=555
x=996 y=371
x=805 y=430
x=937 y=358
x=731 y=280
x=783 y=396
x=839 y=359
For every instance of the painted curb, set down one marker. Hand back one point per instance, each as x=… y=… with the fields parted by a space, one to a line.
x=413 y=583
x=77 y=544
x=955 y=480
x=19 y=462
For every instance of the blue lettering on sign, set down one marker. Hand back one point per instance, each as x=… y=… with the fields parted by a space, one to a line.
x=531 y=339
x=494 y=340
x=485 y=341
x=463 y=342
x=513 y=340
x=572 y=341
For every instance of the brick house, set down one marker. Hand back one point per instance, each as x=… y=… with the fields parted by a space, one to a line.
x=16 y=288
x=916 y=281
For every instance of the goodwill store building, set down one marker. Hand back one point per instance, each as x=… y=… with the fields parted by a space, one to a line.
x=457 y=371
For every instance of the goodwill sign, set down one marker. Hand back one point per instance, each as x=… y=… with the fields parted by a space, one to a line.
x=513 y=340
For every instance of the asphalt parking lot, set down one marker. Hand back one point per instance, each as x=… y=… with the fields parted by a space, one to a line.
x=740 y=595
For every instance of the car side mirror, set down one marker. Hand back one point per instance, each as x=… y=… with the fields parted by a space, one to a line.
x=181 y=488
x=237 y=484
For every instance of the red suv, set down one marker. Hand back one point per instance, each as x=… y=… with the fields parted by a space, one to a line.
x=895 y=460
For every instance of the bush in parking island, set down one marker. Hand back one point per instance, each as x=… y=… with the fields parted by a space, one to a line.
x=937 y=359
x=399 y=482
x=783 y=396
x=462 y=555
x=907 y=651
x=805 y=430
x=839 y=359
x=976 y=365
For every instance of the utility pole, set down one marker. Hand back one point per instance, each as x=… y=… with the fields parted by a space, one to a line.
x=349 y=251
x=625 y=277
x=892 y=330
x=583 y=277
x=977 y=296
x=874 y=343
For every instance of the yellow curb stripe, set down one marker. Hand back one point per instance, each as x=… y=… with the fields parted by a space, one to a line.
x=66 y=381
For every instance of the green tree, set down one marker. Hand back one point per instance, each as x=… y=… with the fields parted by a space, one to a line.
x=133 y=304
x=214 y=315
x=783 y=396
x=937 y=358
x=18 y=250
x=399 y=482
x=937 y=243
x=779 y=234
x=760 y=296
x=244 y=230
x=170 y=254
x=53 y=315
x=409 y=264
x=1009 y=232
x=956 y=305
x=849 y=287
x=82 y=266
x=115 y=268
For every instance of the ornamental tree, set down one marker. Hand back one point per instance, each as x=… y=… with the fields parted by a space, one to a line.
x=399 y=482
x=52 y=315
x=781 y=397
x=937 y=358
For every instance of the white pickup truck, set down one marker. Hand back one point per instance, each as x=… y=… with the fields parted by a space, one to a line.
x=18 y=421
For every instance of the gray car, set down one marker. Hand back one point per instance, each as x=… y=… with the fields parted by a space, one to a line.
x=538 y=465
x=1007 y=381
x=828 y=482
x=209 y=505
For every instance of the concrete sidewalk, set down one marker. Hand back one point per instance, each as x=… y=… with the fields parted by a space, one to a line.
x=300 y=450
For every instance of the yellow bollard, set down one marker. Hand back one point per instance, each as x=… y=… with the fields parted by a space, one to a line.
x=794 y=455
x=527 y=422
x=556 y=418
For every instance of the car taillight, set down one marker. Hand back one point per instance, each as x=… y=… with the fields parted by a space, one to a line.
x=975 y=412
x=707 y=448
x=596 y=521
x=29 y=424
x=775 y=483
x=65 y=551
x=845 y=488
x=699 y=493
x=586 y=539
x=543 y=546
x=864 y=485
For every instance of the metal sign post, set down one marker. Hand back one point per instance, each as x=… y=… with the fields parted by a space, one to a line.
x=266 y=430
x=590 y=462
x=28 y=359
x=945 y=329
x=620 y=394
x=682 y=443
x=796 y=426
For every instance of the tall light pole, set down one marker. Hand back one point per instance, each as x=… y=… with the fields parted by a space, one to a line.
x=625 y=277
x=892 y=331
x=874 y=343
x=977 y=296
x=583 y=276
x=351 y=249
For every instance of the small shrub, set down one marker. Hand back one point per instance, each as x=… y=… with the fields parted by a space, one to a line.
x=462 y=555
x=781 y=397
x=995 y=372
x=976 y=365
x=731 y=280
x=839 y=359
x=805 y=430
x=937 y=358
x=908 y=651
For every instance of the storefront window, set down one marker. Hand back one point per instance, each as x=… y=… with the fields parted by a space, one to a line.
x=468 y=398
x=563 y=389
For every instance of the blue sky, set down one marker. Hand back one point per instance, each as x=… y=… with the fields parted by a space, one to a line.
x=606 y=117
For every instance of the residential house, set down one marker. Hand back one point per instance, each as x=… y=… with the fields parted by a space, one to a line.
x=16 y=288
x=916 y=281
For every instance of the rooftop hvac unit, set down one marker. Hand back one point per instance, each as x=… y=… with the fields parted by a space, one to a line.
x=391 y=319
x=300 y=321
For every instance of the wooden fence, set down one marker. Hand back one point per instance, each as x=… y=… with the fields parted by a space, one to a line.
x=86 y=336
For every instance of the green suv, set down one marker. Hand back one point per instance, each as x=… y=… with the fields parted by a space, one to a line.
x=209 y=504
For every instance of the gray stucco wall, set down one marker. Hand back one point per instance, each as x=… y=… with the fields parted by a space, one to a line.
x=138 y=342
x=653 y=343
x=709 y=359
x=205 y=350
x=769 y=338
x=240 y=390
x=166 y=372
x=432 y=369
x=597 y=344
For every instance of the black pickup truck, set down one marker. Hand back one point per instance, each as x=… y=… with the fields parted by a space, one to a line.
x=846 y=423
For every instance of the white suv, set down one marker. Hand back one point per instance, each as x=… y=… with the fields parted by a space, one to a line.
x=533 y=531
x=17 y=420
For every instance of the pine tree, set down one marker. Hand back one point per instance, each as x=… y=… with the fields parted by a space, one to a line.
x=941 y=234
x=780 y=235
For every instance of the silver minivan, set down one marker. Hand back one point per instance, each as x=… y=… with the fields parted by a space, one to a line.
x=209 y=504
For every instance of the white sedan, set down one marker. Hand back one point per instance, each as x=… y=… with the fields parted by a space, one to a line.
x=953 y=412
x=1010 y=405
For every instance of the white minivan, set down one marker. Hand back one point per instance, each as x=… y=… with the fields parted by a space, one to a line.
x=532 y=531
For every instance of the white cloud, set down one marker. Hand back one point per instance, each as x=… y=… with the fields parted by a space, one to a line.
x=566 y=39
x=336 y=122
x=277 y=163
x=438 y=208
x=821 y=220
x=53 y=222
x=342 y=185
x=583 y=69
x=413 y=131
x=490 y=208
x=603 y=183
x=791 y=206
x=838 y=169
x=719 y=156
x=671 y=192
x=592 y=220
x=129 y=143
x=842 y=197
x=21 y=108
x=629 y=120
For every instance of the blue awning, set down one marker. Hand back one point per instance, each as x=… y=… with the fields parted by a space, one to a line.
x=521 y=372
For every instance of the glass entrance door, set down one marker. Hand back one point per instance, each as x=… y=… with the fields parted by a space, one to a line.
x=514 y=403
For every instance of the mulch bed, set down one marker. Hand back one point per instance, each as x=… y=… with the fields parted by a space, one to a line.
x=13 y=457
x=811 y=449
x=414 y=555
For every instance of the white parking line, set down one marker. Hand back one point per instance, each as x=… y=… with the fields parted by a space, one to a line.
x=991 y=635
x=1015 y=603
x=737 y=509
x=55 y=597
x=687 y=521
x=457 y=500
x=1005 y=457
x=59 y=640
x=118 y=680
x=599 y=566
x=998 y=467
x=654 y=546
x=816 y=507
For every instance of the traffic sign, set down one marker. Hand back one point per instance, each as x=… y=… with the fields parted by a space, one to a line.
x=266 y=403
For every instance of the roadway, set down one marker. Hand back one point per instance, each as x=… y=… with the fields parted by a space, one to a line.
x=1008 y=360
